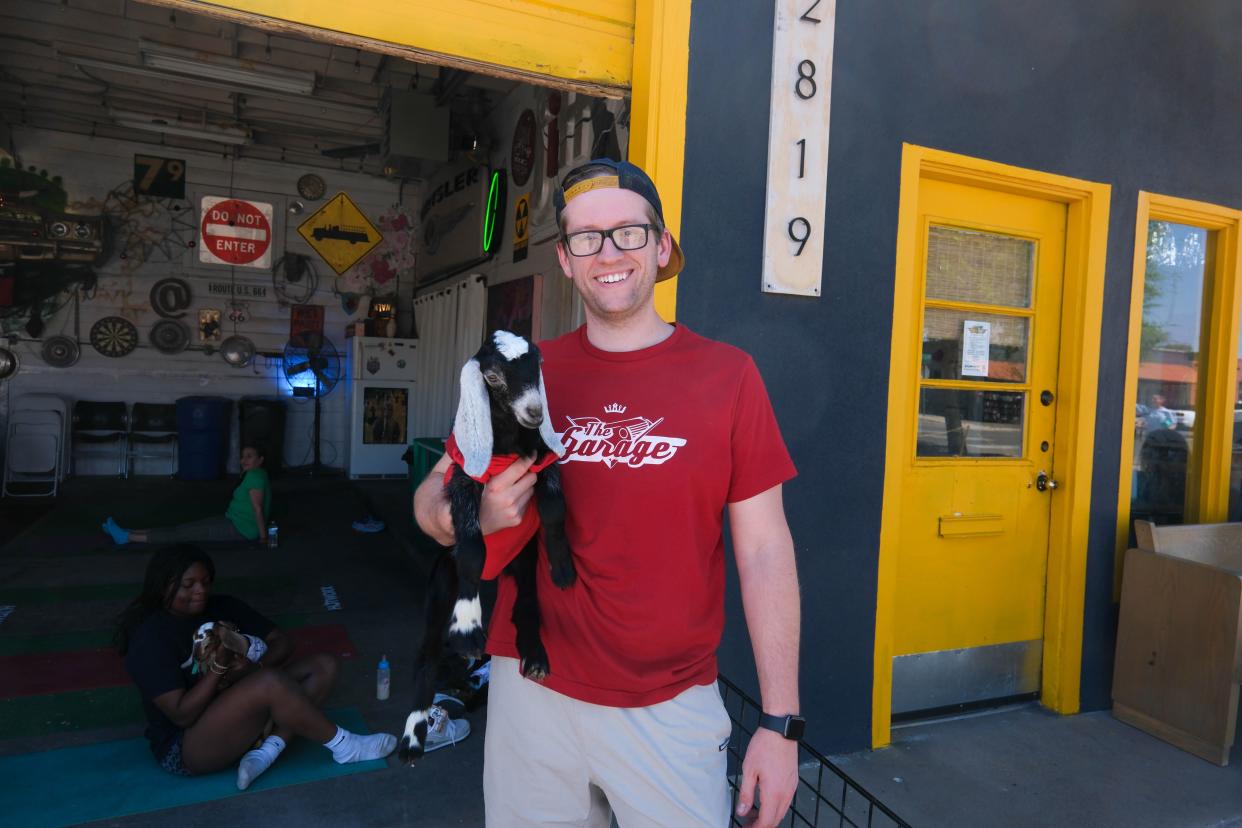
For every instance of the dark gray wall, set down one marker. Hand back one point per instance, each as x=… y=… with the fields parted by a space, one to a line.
x=1138 y=94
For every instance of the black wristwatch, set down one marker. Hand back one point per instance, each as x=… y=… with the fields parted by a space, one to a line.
x=791 y=727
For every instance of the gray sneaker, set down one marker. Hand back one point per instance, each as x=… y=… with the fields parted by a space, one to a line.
x=443 y=730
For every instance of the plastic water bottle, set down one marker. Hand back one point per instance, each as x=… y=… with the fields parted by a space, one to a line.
x=382 y=679
x=273 y=532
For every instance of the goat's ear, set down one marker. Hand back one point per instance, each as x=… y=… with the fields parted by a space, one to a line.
x=473 y=425
x=546 y=431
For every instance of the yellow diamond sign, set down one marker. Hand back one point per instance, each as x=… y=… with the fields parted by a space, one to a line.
x=340 y=233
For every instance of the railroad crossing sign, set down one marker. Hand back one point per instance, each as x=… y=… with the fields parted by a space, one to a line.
x=235 y=232
x=340 y=233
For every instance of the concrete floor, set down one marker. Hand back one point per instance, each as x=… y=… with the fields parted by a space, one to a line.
x=1026 y=766
x=1016 y=767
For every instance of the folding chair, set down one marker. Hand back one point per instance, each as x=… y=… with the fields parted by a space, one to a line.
x=153 y=435
x=101 y=429
x=35 y=446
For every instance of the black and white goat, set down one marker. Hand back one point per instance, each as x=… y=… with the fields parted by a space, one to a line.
x=503 y=411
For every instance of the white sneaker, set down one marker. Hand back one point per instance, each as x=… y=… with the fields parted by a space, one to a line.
x=443 y=730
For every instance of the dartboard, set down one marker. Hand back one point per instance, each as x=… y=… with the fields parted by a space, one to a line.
x=114 y=336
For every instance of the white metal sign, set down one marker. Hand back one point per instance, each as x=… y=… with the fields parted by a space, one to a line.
x=793 y=235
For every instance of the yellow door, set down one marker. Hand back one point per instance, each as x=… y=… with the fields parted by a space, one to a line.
x=976 y=492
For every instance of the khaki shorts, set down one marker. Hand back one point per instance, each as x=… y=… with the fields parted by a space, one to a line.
x=550 y=760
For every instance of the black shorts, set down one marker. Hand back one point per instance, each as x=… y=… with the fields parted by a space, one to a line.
x=172 y=758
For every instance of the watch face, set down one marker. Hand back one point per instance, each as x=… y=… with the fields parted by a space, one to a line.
x=311 y=186
x=794 y=728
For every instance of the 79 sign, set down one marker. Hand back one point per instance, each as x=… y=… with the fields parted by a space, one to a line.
x=793 y=236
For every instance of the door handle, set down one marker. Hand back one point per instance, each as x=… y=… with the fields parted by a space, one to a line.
x=1044 y=483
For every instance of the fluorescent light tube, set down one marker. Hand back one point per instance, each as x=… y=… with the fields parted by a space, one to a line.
x=231 y=70
x=203 y=132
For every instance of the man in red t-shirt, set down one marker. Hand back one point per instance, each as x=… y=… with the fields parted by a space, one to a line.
x=664 y=431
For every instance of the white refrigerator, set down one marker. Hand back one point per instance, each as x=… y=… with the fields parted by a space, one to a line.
x=381 y=405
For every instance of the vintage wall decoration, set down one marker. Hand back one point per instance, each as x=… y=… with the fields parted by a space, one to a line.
x=114 y=336
x=236 y=289
x=209 y=325
x=160 y=177
x=340 y=233
x=169 y=336
x=150 y=229
x=521 y=227
x=305 y=319
x=522 y=155
x=235 y=232
x=311 y=187
x=393 y=256
x=239 y=312
x=60 y=351
x=171 y=298
x=237 y=351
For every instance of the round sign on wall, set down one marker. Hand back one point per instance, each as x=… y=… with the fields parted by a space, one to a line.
x=235 y=232
x=522 y=154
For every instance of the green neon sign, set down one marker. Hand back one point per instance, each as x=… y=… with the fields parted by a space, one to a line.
x=493 y=207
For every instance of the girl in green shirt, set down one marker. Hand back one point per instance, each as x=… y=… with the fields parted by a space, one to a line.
x=245 y=519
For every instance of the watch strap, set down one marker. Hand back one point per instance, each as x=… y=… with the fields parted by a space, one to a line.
x=789 y=726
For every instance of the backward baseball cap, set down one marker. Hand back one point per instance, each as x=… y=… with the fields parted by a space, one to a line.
x=604 y=173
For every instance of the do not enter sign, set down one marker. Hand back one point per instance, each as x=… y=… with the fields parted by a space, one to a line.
x=236 y=232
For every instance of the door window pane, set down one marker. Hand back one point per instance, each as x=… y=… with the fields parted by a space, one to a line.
x=982 y=268
x=1169 y=346
x=974 y=346
x=959 y=423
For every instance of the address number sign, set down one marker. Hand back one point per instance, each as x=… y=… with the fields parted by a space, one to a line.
x=793 y=235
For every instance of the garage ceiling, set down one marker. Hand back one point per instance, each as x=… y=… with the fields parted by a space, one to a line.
x=121 y=69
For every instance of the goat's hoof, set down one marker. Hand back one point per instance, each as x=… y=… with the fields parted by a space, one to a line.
x=564 y=574
x=535 y=666
x=414 y=739
x=468 y=643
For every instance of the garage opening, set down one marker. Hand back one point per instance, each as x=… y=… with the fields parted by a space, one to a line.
x=319 y=234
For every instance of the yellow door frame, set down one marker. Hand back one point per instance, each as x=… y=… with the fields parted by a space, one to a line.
x=1086 y=237
x=599 y=47
x=1207 y=483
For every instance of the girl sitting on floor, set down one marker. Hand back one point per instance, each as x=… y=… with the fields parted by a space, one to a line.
x=244 y=520
x=194 y=726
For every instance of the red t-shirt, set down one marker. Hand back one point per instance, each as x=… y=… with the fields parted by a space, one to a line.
x=658 y=442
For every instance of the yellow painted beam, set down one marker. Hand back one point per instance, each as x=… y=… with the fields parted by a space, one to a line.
x=658 y=113
x=587 y=43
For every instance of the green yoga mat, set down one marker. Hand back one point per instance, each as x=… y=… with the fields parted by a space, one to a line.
x=111 y=592
x=87 y=639
x=25 y=716
x=115 y=779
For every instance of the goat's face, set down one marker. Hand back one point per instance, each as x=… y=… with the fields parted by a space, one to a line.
x=503 y=379
x=510 y=367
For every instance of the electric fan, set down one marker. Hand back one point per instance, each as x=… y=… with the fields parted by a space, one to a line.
x=313 y=368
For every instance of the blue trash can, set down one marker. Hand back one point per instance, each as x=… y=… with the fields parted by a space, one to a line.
x=202 y=437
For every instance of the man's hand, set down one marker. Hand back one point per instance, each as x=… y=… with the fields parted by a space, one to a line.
x=505 y=496
x=771 y=763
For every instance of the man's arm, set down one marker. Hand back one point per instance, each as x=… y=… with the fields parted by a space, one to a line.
x=768 y=575
x=504 y=500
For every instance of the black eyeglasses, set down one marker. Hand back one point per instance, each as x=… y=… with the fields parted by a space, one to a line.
x=590 y=242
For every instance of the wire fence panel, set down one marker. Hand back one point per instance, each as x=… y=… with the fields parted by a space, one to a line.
x=826 y=795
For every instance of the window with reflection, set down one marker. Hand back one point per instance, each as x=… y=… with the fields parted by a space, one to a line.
x=1168 y=375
